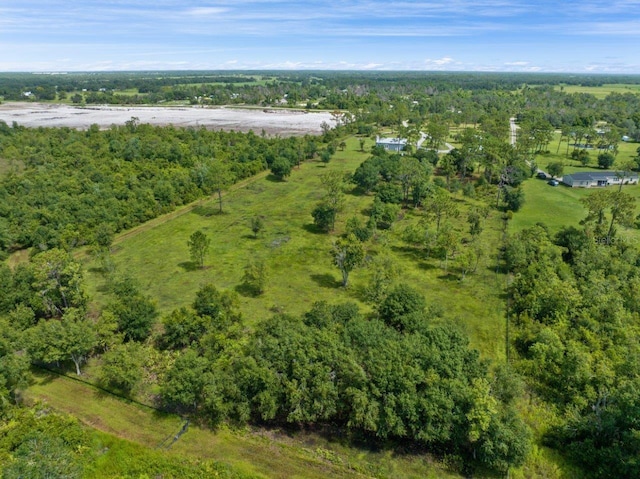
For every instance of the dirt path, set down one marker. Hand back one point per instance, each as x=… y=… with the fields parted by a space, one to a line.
x=160 y=220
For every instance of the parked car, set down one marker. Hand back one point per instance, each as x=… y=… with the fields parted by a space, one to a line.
x=542 y=175
x=553 y=182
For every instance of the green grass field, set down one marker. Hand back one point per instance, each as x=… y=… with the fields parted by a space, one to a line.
x=298 y=258
x=600 y=91
x=560 y=206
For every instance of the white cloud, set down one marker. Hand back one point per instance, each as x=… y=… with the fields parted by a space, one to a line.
x=622 y=28
x=205 y=11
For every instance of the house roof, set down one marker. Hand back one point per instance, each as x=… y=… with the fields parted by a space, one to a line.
x=391 y=141
x=599 y=175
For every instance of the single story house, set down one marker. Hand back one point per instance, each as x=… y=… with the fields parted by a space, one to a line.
x=391 y=144
x=591 y=179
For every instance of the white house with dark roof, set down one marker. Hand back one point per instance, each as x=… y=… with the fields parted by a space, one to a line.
x=594 y=179
x=391 y=144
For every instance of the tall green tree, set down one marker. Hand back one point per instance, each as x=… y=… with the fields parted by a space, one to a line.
x=135 y=312
x=439 y=205
x=71 y=338
x=348 y=254
x=596 y=204
x=555 y=168
x=281 y=168
x=14 y=366
x=623 y=207
x=58 y=282
x=255 y=276
x=184 y=386
x=182 y=327
x=122 y=367
x=606 y=160
x=198 y=247
x=324 y=217
x=220 y=307
x=221 y=177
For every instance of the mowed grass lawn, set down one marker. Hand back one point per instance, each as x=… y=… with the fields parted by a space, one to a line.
x=560 y=206
x=298 y=257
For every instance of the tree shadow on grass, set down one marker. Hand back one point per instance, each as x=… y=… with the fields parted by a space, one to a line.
x=313 y=229
x=449 y=277
x=103 y=288
x=43 y=375
x=326 y=281
x=189 y=266
x=274 y=179
x=358 y=191
x=423 y=265
x=246 y=290
x=206 y=211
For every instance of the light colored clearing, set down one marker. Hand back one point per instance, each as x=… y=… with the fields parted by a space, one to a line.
x=272 y=121
x=600 y=91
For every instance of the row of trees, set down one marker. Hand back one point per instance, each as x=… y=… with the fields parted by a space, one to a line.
x=386 y=99
x=318 y=369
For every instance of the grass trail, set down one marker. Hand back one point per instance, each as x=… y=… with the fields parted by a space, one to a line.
x=269 y=454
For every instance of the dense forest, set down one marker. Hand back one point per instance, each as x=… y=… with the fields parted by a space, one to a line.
x=68 y=186
x=401 y=374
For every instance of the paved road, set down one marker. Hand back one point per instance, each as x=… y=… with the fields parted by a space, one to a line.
x=514 y=130
x=514 y=134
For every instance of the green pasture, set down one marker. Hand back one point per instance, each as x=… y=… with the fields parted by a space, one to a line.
x=600 y=91
x=298 y=257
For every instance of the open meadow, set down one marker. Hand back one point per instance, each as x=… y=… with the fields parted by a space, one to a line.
x=298 y=257
x=300 y=272
x=600 y=91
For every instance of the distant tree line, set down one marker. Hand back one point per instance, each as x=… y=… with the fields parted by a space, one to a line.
x=385 y=98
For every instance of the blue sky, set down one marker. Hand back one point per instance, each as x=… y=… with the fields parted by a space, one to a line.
x=465 y=35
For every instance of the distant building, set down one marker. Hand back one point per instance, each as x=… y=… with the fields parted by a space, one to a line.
x=589 y=179
x=391 y=144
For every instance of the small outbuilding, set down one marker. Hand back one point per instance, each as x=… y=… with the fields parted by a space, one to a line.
x=594 y=179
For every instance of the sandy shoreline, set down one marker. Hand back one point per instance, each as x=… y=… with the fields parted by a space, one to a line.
x=281 y=122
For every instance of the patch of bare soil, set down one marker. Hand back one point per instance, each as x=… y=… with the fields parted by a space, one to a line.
x=272 y=121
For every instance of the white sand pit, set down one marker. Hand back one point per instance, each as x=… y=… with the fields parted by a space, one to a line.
x=272 y=121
